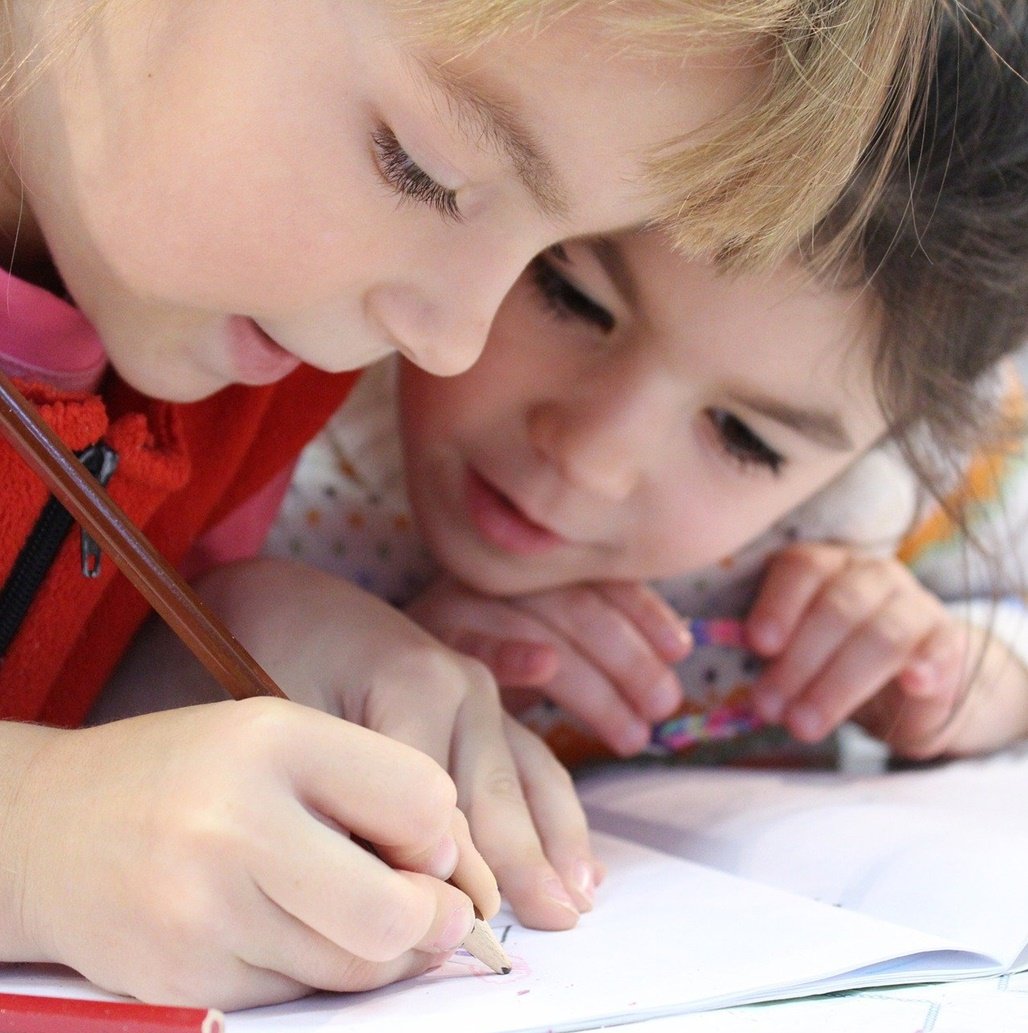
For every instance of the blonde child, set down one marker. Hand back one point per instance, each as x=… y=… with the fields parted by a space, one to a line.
x=212 y=210
x=755 y=442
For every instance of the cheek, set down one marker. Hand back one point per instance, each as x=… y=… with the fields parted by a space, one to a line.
x=702 y=526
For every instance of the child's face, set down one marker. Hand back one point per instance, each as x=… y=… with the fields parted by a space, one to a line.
x=635 y=415
x=231 y=187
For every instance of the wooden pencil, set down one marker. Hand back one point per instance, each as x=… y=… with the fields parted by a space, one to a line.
x=483 y=946
x=26 y=1013
x=161 y=585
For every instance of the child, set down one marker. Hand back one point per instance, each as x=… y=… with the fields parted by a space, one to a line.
x=752 y=441
x=243 y=202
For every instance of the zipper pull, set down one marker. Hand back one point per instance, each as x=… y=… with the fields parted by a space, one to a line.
x=101 y=461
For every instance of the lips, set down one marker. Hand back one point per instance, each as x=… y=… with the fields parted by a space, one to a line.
x=256 y=358
x=502 y=524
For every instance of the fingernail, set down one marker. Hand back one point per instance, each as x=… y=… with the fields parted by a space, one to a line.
x=767 y=703
x=674 y=640
x=456 y=930
x=920 y=678
x=632 y=738
x=805 y=722
x=444 y=860
x=583 y=878
x=555 y=890
x=766 y=635
x=665 y=697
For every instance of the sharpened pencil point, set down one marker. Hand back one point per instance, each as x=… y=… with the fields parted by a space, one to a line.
x=482 y=945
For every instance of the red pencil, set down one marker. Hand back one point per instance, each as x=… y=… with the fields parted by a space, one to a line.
x=22 y=1013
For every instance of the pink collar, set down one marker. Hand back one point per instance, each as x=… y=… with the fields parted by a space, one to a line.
x=47 y=339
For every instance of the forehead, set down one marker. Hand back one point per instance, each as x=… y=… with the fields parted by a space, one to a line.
x=778 y=328
x=572 y=95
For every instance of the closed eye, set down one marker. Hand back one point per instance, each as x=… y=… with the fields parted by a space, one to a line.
x=409 y=179
x=741 y=444
x=563 y=298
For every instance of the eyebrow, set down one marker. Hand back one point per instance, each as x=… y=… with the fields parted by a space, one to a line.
x=482 y=113
x=822 y=427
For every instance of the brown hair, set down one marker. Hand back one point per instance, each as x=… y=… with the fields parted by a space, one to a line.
x=945 y=245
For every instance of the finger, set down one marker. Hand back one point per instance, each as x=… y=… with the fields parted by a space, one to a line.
x=382 y=790
x=936 y=671
x=794 y=578
x=916 y=717
x=300 y=957
x=586 y=694
x=843 y=603
x=502 y=823
x=471 y=874
x=911 y=727
x=443 y=685
x=518 y=663
x=660 y=625
x=558 y=815
x=351 y=897
x=607 y=639
x=868 y=659
x=415 y=697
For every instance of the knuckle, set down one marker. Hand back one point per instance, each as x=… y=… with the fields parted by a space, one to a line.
x=430 y=669
x=262 y=722
x=817 y=556
x=842 y=599
x=537 y=757
x=503 y=783
x=889 y=636
x=453 y=675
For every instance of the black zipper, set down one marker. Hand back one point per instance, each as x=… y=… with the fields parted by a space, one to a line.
x=40 y=550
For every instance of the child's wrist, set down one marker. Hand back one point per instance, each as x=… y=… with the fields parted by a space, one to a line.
x=24 y=802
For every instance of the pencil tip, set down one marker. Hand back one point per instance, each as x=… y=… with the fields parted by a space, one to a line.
x=481 y=944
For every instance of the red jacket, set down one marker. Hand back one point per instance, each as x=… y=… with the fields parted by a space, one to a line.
x=181 y=469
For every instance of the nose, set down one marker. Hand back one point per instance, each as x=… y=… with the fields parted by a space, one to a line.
x=439 y=317
x=604 y=440
x=440 y=338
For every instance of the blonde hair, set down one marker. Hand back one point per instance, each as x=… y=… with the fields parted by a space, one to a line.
x=752 y=189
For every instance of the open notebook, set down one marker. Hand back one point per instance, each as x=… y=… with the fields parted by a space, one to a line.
x=728 y=887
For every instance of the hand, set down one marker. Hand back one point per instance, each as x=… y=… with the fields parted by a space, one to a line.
x=203 y=856
x=847 y=635
x=331 y=645
x=603 y=652
x=991 y=708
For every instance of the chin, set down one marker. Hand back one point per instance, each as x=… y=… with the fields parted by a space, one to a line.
x=171 y=385
x=503 y=577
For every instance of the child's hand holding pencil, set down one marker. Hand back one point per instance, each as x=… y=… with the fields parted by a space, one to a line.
x=203 y=855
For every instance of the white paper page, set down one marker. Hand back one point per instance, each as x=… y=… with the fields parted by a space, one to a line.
x=942 y=850
x=994 y=1005
x=667 y=936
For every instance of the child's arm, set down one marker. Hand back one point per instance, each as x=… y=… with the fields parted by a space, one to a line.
x=332 y=646
x=604 y=652
x=203 y=856
x=846 y=635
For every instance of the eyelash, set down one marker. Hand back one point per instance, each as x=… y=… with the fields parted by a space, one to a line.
x=741 y=444
x=409 y=179
x=563 y=298
x=567 y=302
